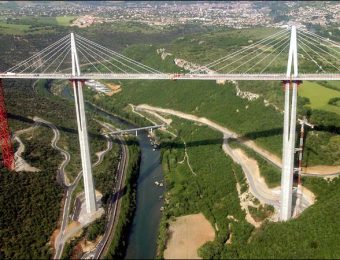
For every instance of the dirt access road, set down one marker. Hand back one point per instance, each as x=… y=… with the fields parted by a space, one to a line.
x=257 y=185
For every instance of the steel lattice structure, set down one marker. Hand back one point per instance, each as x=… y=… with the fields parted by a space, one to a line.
x=5 y=136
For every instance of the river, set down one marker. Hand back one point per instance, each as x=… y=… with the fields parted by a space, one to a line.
x=142 y=242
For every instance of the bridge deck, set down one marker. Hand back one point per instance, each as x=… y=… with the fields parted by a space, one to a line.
x=164 y=76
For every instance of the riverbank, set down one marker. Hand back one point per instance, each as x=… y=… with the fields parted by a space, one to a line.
x=117 y=247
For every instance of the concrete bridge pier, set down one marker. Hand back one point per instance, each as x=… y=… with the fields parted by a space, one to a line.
x=289 y=127
x=90 y=196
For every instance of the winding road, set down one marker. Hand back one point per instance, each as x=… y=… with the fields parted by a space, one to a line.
x=55 y=139
x=70 y=187
x=59 y=243
x=257 y=188
x=20 y=163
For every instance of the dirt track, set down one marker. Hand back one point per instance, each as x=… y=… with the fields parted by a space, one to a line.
x=314 y=170
x=258 y=186
x=20 y=163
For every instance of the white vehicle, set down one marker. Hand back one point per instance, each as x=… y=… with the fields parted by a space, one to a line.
x=10 y=73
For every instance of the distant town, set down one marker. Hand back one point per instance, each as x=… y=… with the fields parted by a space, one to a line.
x=228 y=14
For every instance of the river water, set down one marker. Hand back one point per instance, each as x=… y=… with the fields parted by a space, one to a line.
x=142 y=241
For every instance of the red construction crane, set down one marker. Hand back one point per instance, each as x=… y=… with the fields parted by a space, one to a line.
x=302 y=122
x=5 y=136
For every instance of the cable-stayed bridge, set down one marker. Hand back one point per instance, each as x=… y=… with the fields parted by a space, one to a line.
x=264 y=59
x=281 y=56
x=175 y=76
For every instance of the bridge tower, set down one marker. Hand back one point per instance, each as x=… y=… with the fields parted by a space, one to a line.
x=289 y=130
x=5 y=136
x=90 y=196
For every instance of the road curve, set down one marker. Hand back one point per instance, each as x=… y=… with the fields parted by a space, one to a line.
x=70 y=187
x=257 y=190
x=266 y=196
x=61 y=239
x=55 y=139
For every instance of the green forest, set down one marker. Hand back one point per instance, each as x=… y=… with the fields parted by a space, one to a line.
x=210 y=188
x=213 y=188
x=34 y=198
x=30 y=201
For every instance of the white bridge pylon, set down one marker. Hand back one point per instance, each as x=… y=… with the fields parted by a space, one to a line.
x=289 y=131
x=62 y=60
x=90 y=195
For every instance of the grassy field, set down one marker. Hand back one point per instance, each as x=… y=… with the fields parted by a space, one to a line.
x=331 y=84
x=28 y=25
x=208 y=47
x=29 y=20
x=319 y=96
x=64 y=20
x=6 y=28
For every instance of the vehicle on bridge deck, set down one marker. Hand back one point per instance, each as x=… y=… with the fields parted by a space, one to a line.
x=176 y=75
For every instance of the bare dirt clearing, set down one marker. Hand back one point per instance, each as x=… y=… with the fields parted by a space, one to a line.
x=188 y=233
x=114 y=87
x=20 y=163
x=321 y=169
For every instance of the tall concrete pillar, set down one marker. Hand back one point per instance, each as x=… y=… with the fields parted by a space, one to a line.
x=285 y=178
x=289 y=127
x=90 y=196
